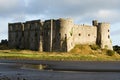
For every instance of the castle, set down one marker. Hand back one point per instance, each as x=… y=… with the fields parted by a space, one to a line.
x=57 y=35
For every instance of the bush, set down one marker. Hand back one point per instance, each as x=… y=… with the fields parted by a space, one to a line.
x=94 y=47
x=3 y=47
x=117 y=49
x=110 y=52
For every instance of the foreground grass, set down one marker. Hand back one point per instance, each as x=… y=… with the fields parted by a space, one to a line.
x=34 y=55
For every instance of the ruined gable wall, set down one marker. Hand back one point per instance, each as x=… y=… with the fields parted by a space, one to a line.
x=26 y=35
x=11 y=35
x=20 y=33
x=33 y=32
x=56 y=36
x=51 y=35
x=15 y=36
x=46 y=35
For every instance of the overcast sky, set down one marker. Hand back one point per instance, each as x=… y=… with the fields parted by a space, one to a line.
x=82 y=11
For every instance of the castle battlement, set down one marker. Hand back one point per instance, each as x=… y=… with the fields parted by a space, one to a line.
x=57 y=35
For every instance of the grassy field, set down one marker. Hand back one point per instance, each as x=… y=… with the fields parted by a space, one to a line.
x=79 y=53
x=34 y=55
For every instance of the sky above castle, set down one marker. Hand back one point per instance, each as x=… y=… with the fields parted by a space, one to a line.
x=82 y=11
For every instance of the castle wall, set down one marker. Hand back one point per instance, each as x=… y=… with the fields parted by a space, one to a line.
x=33 y=35
x=57 y=35
x=47 y=35
x=16 y=35
x=39 y=36
x=26 y=35
x=11 y=36
x=20 y=37
x=51 y=35
x=84 y=34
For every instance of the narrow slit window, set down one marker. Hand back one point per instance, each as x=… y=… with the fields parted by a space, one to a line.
x=108 y=36
x=88 y=34
x=79 y=34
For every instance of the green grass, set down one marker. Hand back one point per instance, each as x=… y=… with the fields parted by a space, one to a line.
x=79 y=53
x=71 y=56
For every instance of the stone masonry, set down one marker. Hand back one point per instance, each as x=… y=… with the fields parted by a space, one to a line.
x=57 y=35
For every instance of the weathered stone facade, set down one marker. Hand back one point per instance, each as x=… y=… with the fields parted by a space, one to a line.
x=57 y=35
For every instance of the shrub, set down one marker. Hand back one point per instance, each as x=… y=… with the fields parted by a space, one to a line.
x=94 y=47
x=110 y=52
x=117 y=49
x=4 y=47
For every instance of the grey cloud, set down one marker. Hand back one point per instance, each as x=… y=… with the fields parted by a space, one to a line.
x=84 y=9
x=81 y=11
x=116 y=33
x=66 y=6
x=9 y=8
x=60 y=8
x=115 y=30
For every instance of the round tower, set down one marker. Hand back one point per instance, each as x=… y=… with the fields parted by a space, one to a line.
x=66 y=33
x=104 y=36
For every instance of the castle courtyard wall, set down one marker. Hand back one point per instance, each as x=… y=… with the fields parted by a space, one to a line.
x=84 y=34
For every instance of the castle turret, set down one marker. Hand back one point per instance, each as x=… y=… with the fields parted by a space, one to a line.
x=95 y=23
x=103 y=36
x=66 y=26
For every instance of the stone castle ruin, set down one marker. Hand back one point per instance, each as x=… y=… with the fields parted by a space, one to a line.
x=57 y=35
